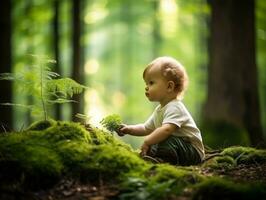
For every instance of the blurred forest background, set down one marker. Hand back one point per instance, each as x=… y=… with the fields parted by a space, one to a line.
x=106 y=44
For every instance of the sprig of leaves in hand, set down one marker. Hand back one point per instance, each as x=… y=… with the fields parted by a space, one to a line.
x=112 y=122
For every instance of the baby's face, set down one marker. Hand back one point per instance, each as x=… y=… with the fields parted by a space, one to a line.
x=156 y=84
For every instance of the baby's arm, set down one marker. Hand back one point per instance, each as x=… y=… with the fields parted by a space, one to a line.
x=157 y=136
x=137 y=130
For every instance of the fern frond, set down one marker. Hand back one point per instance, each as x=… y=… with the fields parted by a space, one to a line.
x=17 y=104
x=60 y=101
x=66 y=86
x=39 y=81
x=50 y=75
x=7 y=76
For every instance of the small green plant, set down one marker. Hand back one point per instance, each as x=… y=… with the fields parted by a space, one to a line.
x=112 y=122
x=43 y=85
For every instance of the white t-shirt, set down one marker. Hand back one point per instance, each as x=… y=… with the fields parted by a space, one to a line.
x=176 y=113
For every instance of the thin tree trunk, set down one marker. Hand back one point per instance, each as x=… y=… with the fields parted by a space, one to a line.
x=157 y=39
x=128 y=45
x=76 y=70
x=5 y=65
x=232 y=84
x=58 y=113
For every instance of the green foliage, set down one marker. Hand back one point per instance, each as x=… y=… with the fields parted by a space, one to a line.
x=183 y=176
x=39 y=82
x=112 y=122
x=159 y=182
x=63 y=88
x=142 y=189
x=217 y=188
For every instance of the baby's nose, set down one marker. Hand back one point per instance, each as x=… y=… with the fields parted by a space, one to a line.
x=146 y=88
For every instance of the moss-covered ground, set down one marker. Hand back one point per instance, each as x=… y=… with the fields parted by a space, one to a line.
x=66 y=160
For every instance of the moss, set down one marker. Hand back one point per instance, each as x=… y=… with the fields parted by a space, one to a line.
x=164 y=172
x=41 y=125
x=113 y=161
x=237 y=151
x=66 y=148
x=180 y=177
x=38 y=158
x=101 y=137
x=42 y=167
x=221 y=162
x=73 y=155
x=217 y=188
x=160 y=182
x=67 y=131
x=245 y=155
x=142 y=189
x=37 y=163
x=258 y=156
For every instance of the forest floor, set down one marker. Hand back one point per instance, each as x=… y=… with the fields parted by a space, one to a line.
x=72 y=190
x=65 y=161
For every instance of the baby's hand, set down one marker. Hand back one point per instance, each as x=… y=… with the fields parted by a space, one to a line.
x=144 y=149
x=123 y=130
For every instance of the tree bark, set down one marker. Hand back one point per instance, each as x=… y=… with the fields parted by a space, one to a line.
x=5 y=65
x=58 y=113
x=76 y=70
x=157 y=38
x=233 y=80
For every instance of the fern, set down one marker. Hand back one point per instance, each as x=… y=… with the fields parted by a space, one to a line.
x=40 y=82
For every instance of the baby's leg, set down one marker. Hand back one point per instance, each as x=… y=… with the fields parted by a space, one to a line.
x=176 y=151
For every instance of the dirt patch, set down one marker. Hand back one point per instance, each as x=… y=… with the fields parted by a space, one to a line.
x=72 y=190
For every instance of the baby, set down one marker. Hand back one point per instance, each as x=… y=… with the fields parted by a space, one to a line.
x=171 y=133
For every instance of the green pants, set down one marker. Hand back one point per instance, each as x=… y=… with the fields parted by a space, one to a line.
x=175 y=150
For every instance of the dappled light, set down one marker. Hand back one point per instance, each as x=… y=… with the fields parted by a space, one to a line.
x=168 y=14
x=91 y=66
x=95 y=15
x=95 y=110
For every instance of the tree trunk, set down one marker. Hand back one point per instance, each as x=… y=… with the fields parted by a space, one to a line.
x=76 y=70
x=58 y=114
x=5 y=65
x=233 y=83
x=157 y=39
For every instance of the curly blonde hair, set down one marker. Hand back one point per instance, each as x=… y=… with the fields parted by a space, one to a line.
x=171 y=70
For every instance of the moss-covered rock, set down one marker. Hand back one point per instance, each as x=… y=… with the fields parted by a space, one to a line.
x=245 y=155
x=221 y=162
x=43 y=155
x=33 y=159
x=41 y=125
x=68 y=131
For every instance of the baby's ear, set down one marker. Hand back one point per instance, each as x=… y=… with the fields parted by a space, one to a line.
x=170 y=86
